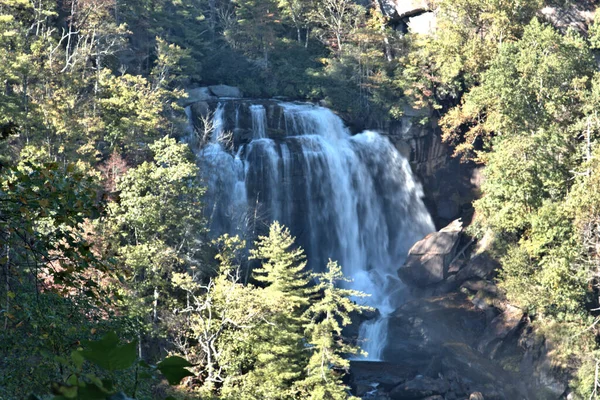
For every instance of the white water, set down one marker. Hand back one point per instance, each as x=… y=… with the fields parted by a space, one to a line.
x=349 y=198
x=259 y=121
x=218 y=124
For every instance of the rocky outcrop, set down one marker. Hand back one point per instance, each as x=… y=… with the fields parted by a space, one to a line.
x=447 y=346
x=199 y=94
x=577 y=15
x=398 y=9
x=226 y=91
x=210 y=94
x=429 y=259
x=414 y=15
x=499 y=330
x=418 y=388
x=460 y=339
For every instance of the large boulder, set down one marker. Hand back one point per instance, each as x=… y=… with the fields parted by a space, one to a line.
x=397 y=9
x=414 y=15
x=428 y=260
x=196 y=95
x=226 y=91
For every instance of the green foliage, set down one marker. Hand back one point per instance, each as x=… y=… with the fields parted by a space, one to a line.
x=158 y=229
x=442 y=66
x=107 y=354
x=547 y=70
x=327 y=317
x=174 y=369
x=267 y=342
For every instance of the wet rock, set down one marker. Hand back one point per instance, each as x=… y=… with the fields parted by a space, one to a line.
x=500 y=329
x=419 y=388
x=428 y=260
x=225 y=91
x=366 y=376
x=417 y=329
x=448 y=208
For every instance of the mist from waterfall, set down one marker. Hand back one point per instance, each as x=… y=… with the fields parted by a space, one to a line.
x=348 y=198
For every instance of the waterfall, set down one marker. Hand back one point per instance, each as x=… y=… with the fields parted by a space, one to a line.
x=259 y=121
x=349 y=198
x=218 y=123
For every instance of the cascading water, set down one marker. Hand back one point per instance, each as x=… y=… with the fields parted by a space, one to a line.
x=259 y=120
x=349 y=198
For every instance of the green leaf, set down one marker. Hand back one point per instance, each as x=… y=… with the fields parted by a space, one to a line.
x=173 y=368
x=77 y=358
x=68 y=392
x=72 y=380
x=106 y=353
x=92 y=392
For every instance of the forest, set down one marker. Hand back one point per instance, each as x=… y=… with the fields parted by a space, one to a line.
x=115 y=286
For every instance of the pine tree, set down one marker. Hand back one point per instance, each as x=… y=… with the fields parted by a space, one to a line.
x=280 y=348
x=327 y=317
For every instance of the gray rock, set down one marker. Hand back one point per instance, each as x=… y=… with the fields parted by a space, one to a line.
x=428 y=260
x=397 y=9
x=500 y=329
x=197 y=94
x=226 y=91
x=479 y=266
x=367 y=375
x=419 y=388
x=577 y=15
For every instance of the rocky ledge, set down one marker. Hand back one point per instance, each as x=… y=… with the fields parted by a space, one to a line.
x=457 y=338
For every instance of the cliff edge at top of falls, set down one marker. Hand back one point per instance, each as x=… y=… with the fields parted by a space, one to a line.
x=457 y=337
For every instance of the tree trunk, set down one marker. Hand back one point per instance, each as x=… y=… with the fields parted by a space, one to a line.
x=7 y=283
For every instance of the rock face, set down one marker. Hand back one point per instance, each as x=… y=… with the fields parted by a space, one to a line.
x=419 y=388
x=195 y=95
x=447 y=346
x=414 y=15
x=577 y=15
x=429 y=259
x=210 y=94
x=226 y=91
x=499 y=330
x=404 y=8
x=458 y=338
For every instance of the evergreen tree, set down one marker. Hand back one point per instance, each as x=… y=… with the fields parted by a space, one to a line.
x=279 y=344
x=329 y=350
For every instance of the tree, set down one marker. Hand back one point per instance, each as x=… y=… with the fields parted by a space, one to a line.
x=327 y=317
x=158 y=226
x=548 y=71
x=279 y=346
x=336 y=19
x=219 y=316
x=53 y=290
